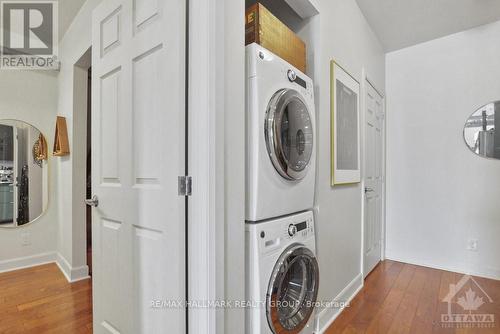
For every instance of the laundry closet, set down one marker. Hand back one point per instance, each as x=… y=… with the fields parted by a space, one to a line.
x=282 y=269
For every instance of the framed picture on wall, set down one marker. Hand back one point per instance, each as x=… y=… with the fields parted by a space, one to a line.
x=345 y=136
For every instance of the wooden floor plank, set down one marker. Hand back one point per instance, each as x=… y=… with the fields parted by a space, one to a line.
x=409 y=299
x=396 y=298
x=424 y=322
x=375 y=293
x=39 y=300
x=386 y=269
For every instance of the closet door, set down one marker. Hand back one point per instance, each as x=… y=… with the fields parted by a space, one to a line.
x=138 y=139
x=374 y=178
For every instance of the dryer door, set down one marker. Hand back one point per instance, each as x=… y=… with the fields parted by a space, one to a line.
x=293 y=290
x=289 y=134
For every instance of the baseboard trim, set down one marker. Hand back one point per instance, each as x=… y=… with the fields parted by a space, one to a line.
x=490 y=273
x=72 y=274
x=327 y=316
x=27 y=262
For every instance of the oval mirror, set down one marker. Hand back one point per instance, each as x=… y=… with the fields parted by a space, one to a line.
x=479 y=131
x=23 y=173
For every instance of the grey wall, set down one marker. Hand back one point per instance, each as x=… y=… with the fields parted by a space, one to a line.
x=340 y=32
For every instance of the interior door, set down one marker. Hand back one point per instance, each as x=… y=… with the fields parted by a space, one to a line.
x=374 y=178
x=138 y=140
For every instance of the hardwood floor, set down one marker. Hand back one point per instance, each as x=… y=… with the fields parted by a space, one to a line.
x=403 y=298
x=40 y=300
x=396 y=298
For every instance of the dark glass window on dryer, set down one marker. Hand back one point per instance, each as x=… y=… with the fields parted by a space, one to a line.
x=289 y=134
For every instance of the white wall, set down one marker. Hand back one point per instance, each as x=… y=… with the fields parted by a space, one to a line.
x=439 y=194
x=230 y=162
x=72 y=230
x=37 y=97
x=31 y=96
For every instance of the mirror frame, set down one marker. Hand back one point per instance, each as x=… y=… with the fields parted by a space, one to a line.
x=463 y=133
x=44 y=211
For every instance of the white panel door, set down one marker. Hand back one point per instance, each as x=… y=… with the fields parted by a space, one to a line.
x=138 y=140
x=374 y=177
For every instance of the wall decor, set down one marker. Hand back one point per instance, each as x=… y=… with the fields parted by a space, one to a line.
x=24 y=174
x=61 y=143
x=345 y=136
x=40 y=150
x=482 y=131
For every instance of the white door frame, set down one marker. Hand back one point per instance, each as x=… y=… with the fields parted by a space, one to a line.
x=201 y=278
x=364 y=80
x=203 y=246
x=216 y=210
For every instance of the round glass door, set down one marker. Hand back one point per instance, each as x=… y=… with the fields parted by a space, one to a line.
x=289 y=134
x=293 y=290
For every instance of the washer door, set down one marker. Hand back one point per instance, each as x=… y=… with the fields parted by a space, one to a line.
x=289 y=134
x=293 y=290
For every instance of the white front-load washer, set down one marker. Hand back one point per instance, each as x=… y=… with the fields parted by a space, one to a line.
x=283 y=275
x=281 y=153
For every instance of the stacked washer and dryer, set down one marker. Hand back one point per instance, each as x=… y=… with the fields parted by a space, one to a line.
x=282 y=270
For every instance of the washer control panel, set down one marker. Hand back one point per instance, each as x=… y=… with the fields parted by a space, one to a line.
x=273 y=235
x=300 y=229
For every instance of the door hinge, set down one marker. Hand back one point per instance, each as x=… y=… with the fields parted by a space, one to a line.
x=185 y=185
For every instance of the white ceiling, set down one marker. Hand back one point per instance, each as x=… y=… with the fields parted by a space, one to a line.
x=403 y=23
x=67 y=12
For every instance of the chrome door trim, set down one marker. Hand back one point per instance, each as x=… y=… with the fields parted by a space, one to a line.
x=291 y=254
x=272 y=130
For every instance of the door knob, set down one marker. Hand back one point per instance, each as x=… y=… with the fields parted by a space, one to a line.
x=94 y=201
x=368 y=190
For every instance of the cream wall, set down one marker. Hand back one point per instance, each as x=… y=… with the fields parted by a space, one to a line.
x=31 y=96
x=439 y=194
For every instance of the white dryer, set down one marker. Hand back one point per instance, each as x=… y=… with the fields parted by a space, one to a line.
x=281 y=137
x=283 y=275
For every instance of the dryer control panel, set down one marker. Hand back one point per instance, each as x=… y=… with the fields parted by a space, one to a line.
x=302 y=84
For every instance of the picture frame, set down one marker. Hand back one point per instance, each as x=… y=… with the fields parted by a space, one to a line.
x=345 y=126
